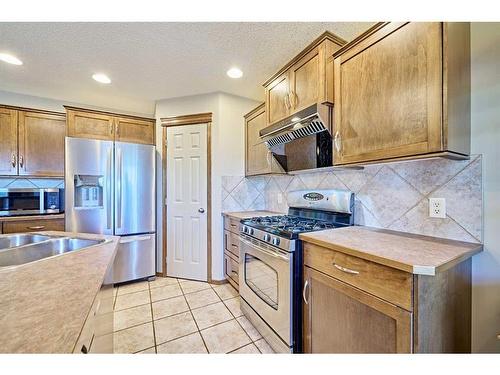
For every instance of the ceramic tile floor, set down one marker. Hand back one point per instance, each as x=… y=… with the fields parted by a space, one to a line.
x=171 y=315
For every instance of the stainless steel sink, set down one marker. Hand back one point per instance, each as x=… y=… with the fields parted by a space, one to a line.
x=41 y=250
x=15 y=240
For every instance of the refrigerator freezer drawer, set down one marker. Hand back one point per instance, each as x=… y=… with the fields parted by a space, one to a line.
x=135 y=258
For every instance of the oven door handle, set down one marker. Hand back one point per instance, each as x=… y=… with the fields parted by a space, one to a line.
x=263 y=250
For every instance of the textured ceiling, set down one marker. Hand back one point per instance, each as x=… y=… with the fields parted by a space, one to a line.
x=151 y=61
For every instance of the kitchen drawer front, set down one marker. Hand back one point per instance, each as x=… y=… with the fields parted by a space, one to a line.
x=33 y=225
x=392 y=285
x=231 y=269
x=232 y=224
x=232 y=243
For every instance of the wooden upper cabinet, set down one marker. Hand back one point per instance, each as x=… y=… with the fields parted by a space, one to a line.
x=339 y=318
x=307 y=79
x=277 y=99
x=393 y=93
x=8 y=141
x=135 y=130
x=41 y=143
x=258 y=158
x=86 y=123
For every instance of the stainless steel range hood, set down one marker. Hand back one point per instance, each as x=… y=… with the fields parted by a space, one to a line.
x=302 y=141
x=309 y=121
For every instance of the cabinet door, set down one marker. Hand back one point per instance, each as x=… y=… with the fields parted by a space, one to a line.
x=339 y=318
x=257 y=154
x=277 y=99
x=33 y=225
x=304 y=81
x=41 y=144
x=135 y=130
x=82 y=124
x=8 y=141
x=388 y=94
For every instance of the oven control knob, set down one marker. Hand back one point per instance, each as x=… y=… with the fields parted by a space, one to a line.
x=245 y=229
x=276 y=241
x=267 y=237
x=250 y=231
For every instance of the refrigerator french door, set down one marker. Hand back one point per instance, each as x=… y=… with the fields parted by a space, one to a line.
x=110 y=189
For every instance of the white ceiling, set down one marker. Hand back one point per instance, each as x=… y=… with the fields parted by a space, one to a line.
x=151 y=61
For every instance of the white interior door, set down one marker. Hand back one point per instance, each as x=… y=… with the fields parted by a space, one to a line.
x=186 y=201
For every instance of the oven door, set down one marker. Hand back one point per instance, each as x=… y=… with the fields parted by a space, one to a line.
x=265 y=283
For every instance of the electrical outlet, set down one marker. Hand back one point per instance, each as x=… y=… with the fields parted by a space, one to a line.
x=280 y=198
x=437 y=207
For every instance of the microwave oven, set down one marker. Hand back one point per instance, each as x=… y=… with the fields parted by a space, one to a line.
x=17 y=202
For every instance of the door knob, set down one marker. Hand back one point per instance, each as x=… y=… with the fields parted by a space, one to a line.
x=201 y=210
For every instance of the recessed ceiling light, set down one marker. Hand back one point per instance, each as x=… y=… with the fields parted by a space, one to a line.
x=102 y=78
x=5 y=57
x=235 y=73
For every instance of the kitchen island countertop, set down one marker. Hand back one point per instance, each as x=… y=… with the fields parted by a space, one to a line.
x=44 y=304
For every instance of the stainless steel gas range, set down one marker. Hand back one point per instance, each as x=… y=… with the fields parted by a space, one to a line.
x=270 y=274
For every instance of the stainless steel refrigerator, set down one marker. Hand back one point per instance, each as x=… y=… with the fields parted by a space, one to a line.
x=110 y=189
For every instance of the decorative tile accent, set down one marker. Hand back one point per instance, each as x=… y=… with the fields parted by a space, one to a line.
x=388 y=196
x=245 y=193
x=391 y=196
x=27 y=183
x=230 y=182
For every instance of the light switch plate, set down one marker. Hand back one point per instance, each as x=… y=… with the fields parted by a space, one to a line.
x=437 y=207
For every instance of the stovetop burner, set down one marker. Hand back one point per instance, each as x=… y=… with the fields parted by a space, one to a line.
x=288 y=226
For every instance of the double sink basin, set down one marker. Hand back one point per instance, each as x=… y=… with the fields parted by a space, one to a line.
x=17 y=249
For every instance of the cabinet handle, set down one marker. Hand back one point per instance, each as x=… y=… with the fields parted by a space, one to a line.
x=111 y=128
x=292 y=99
x=346 y=270
x=36 y=227
x=236 y=273
x=21 y=161
x=306 y=284
x=13 y=160
x=233 y=245
x=337 y=141
x=287 y=101
x=84 y=349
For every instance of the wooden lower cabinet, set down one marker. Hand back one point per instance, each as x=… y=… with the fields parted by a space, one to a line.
x=339 y=318
x=353 y=305
x=231 y=250
x=231 y=266
x=28 y=225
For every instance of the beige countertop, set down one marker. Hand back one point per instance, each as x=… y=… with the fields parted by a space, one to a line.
x=404 y=251
x=247 y=214
x=31 y=217
x=44 y=304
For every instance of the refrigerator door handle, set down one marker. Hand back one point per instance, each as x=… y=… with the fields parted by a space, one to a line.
x=119 y=190
x=135 y=238
x=108 y=190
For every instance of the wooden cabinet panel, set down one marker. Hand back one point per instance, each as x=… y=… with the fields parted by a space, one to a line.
x=8 y=141
x=83 y=124
x=232 y=224
x=41 y=144
x=135 y=130
x=231 y=270
x=339 y=318
x=304 y=81
x=258 y=158
x=388 y=94
x=277 y=99
x=33 y=225
x=392 y=285
x=232 y=243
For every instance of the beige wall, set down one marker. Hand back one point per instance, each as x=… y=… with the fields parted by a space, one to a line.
x=227 y=154
x=485 y=50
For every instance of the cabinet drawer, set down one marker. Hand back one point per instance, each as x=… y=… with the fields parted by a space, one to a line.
x=392 y=285
x=232 y=224
x=33 y=225
x=231 y=269
x=232 y=243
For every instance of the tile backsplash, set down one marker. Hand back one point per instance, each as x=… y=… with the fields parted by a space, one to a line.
x=20 y=182
x=393 y=196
